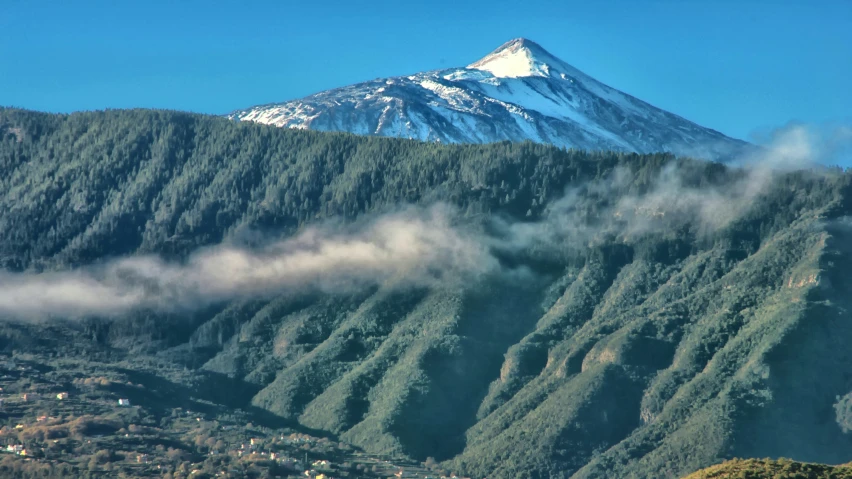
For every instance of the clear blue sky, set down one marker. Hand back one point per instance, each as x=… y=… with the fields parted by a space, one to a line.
x=736 y=66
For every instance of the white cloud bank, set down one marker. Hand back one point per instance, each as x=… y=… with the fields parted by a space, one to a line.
x=411 y=246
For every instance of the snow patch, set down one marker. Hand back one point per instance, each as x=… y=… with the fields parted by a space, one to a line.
x=512 y=63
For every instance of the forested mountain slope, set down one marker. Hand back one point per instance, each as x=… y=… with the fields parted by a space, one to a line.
x=552 y=313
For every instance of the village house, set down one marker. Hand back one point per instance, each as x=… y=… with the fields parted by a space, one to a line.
x=62 y=396
x=15 y=448
x=29 y=397
x=124 y=402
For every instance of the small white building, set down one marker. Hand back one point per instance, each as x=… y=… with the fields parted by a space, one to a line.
x=62 y=396
x=124 y=402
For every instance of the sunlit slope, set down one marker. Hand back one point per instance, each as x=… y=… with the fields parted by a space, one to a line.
x=769 y=469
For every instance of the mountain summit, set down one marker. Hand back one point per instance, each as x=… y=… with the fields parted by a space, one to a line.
x=518 y=58
x=517 y=92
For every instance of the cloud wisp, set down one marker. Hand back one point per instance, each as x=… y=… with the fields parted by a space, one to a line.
x=608 y=209
x=413 y=246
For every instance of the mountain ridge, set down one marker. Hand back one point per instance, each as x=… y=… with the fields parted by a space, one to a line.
x=517 y=92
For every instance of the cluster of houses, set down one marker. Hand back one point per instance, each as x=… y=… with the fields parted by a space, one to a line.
x=318 y=469
x=316 y=475
x=61 y=396
x=31 y=396
x=17 y=449
x=298 y=439
x=253 y=449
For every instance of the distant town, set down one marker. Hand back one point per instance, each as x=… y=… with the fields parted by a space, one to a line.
x=67 y=421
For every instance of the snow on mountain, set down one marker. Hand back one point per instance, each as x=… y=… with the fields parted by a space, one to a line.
x=518 y=92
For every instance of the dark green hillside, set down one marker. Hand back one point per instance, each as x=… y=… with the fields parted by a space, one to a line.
x=78 y=187
x=648 y=317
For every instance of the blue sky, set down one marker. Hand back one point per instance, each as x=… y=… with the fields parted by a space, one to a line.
x=736 y=66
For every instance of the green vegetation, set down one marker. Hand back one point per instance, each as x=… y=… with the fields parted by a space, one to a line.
x=769 y=469
x=638 y=352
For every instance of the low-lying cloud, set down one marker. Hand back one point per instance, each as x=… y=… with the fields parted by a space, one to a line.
x=796 y=143
x=607 y=209
x=413 y=246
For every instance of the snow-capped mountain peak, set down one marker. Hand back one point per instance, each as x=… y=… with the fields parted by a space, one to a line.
x=517 y=92
x=518 y=58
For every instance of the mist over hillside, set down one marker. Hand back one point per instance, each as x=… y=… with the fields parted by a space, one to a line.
x=507 y=309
